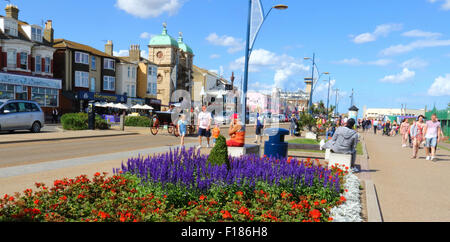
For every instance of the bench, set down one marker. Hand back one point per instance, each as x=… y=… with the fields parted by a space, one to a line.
x=340 y=160
x=246 y=150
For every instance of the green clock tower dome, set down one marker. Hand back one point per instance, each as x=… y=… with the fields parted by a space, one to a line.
x=163 y=39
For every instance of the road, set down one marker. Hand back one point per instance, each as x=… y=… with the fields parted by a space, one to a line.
x=18 y=154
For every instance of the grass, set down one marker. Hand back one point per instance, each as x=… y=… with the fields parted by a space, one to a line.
x=444 y=148
x=359 y=148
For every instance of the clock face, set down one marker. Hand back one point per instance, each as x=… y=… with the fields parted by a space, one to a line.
x=159 y=55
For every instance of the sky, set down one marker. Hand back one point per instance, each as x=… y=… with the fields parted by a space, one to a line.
x=391 y=53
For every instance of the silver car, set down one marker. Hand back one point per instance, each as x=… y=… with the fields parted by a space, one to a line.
x=20 y=114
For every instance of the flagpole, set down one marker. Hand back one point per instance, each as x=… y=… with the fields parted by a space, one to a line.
x=244 y=83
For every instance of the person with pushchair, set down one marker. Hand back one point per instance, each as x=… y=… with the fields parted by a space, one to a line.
x=387 y=128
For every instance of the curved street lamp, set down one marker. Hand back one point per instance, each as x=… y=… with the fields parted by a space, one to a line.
x=248 y=50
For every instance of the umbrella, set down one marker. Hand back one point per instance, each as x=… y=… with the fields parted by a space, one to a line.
x=110 y=105
x=121 y=106
x=147 y=107
x=98 y=104
x=137 y=106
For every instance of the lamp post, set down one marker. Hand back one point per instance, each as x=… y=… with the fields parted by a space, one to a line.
x=248 y=51
x=328 y=96
x=202 y=92
x=314 y=67
x=336 y=102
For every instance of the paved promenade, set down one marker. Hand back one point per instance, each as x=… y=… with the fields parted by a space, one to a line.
x=408 y=190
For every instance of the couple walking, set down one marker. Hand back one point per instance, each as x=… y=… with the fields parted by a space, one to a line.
x=430 y=132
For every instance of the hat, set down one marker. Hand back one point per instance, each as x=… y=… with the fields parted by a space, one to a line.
x=234 y=116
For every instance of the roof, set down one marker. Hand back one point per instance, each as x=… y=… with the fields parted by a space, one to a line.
x=21 y=34
x=183 y=45
x=163 y=39
x=63 y=43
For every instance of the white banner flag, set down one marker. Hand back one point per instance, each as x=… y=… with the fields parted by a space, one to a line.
x=256 y=20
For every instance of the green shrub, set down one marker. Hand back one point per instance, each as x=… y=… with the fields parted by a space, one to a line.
x=219 y=154
x=80 y=121
x=138 y=121
x=75 y=121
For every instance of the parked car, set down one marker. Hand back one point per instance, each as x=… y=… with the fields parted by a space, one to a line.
x=20 y=115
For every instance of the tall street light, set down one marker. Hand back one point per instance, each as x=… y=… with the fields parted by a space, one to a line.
x=314 y=67
x=249 y=46
x=328 y=96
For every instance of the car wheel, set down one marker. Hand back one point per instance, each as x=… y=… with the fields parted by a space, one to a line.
x=36 y=128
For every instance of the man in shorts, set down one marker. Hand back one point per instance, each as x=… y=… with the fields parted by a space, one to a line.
x=204 y=126
x=432 y=133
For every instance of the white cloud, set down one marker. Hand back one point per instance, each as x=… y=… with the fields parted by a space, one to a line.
x=445 y=5
x=420 y=33
x=381 y=30
x=214 y=56
x=419 y=44
x=234 y=44
x=146 y=35
x=149 y=8
x=414 y=63
x=121 y=53
x=404 y=76
x=357 y=62
x=441 y=86
x=285 y=67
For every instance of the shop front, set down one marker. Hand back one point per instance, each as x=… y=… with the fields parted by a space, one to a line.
x=84 y=97
x=45 y=91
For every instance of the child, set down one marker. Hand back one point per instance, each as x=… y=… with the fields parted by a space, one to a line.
x=182 y=123
x=215 y=133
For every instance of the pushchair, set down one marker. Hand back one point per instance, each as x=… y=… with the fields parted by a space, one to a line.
x=386 y=130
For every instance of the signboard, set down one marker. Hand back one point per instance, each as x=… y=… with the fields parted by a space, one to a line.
x=30 y=81
x=104 y=97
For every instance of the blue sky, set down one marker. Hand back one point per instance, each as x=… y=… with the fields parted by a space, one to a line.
x=390 y=52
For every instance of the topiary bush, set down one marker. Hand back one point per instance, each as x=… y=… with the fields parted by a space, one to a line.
x=79 y=121
x=74 y=121
x=219 y=154
x=137 y=121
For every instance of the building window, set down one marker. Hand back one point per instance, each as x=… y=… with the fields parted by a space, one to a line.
x=36 y=34
x=81 y=79
x=47 y=97
x=38 y=62
x=12 y=58
x=109 y=64
x=109 y=83
x=23 y=60
x=133 y=91
x=129 y=72
x=6 y=91
x=81 y=58
x=47 y=64
x=11 y=28
x=93 y=63
x=133 y=72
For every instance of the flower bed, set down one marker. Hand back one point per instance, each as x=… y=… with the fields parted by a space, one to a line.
x=181 y=186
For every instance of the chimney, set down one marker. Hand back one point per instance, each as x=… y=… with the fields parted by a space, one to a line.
x=135 y=53
x=12 y=11
x=109 y=48
x=48 y=31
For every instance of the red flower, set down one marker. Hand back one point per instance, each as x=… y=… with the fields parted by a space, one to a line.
x=97 y=174
x=315 y=214
x=36 y=201
x=63 y=198
x=343 y=199
x=239 y=193
x=226 y=214
x=122 y=219
x=202 y=197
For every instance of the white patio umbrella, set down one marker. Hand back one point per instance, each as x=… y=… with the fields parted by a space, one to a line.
x=137 y=106
x=110 y=105
x=100 y=104
x=122 y=106
x=146 y=107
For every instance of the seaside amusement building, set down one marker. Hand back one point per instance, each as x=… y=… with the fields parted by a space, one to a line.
x=175 y=62
x=26 y=61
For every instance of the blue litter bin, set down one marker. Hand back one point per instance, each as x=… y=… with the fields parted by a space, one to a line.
x=275 y=146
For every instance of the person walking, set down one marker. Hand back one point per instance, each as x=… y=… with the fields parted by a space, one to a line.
x=375 y=126
x=404 y=132
x=203 y=126
x=417 y=135
x=55 y=116
x=293 y=125
x=432 y=133
x=181 y=125
x=260 y=122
